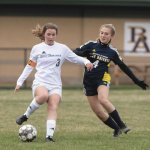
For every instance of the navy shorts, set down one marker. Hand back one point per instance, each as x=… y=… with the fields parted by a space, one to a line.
x=90 y=89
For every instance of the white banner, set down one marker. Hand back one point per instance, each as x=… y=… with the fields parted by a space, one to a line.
x=137 y=38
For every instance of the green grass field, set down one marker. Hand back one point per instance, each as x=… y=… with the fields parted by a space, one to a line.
x=77 y=127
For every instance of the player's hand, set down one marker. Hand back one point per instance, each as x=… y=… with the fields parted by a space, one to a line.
x=89 y=66
x=142 y=84
x=17 y=88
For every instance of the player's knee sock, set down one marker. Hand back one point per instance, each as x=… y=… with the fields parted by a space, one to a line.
x=31 y=108
x=116 y=117
x=111 y=123
x=51 y=125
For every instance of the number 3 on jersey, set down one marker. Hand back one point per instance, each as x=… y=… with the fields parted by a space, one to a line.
x=58 y=62
x=95 y=63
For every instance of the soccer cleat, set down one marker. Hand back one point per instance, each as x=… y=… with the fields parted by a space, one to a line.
x=117 y=132
x=21 y=119
x=125 y=129
x=49 y=139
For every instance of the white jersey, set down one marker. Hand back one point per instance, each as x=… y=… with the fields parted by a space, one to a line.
x=49 y=59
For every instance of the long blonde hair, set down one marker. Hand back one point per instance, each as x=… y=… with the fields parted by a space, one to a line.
x=39 y=31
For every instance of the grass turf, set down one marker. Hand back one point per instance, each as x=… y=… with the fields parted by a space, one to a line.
x=77 y=126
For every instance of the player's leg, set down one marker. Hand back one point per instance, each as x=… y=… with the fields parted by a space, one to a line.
x=41 y=96
x=115 y=115
x=103 y=92
x=53 y=103
x=102 y=115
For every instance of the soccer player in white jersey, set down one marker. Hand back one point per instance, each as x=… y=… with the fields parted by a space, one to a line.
x=47 y=57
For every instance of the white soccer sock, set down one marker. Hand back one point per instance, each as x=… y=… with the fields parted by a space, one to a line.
x=51 y=125
x=31 y=108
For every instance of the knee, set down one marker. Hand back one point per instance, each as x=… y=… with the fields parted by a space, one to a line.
x=42 y=98
x=103 y=100
x=52 y=106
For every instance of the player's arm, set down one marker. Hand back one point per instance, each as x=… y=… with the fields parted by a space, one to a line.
x=83 y=50
x=72 y=57
x=26 y=72
x=128 y=71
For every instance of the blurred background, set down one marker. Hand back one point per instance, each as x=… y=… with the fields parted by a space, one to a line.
x=78 y=22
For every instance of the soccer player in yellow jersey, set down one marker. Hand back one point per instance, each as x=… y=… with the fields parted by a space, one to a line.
x=96 y=82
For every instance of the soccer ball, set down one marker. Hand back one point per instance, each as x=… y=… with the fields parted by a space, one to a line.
x=27 y=133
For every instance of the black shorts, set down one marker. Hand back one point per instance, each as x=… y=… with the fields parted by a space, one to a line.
x=90 y=89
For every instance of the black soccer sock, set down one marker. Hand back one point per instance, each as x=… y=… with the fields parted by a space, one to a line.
x=111 y=123
x=116 y=117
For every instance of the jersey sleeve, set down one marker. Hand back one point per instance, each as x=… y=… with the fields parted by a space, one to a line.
x=118 y=60
x=83 y=49
x=26 y=72
x=28 y=68
x=72 y=57
x=33 y=54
